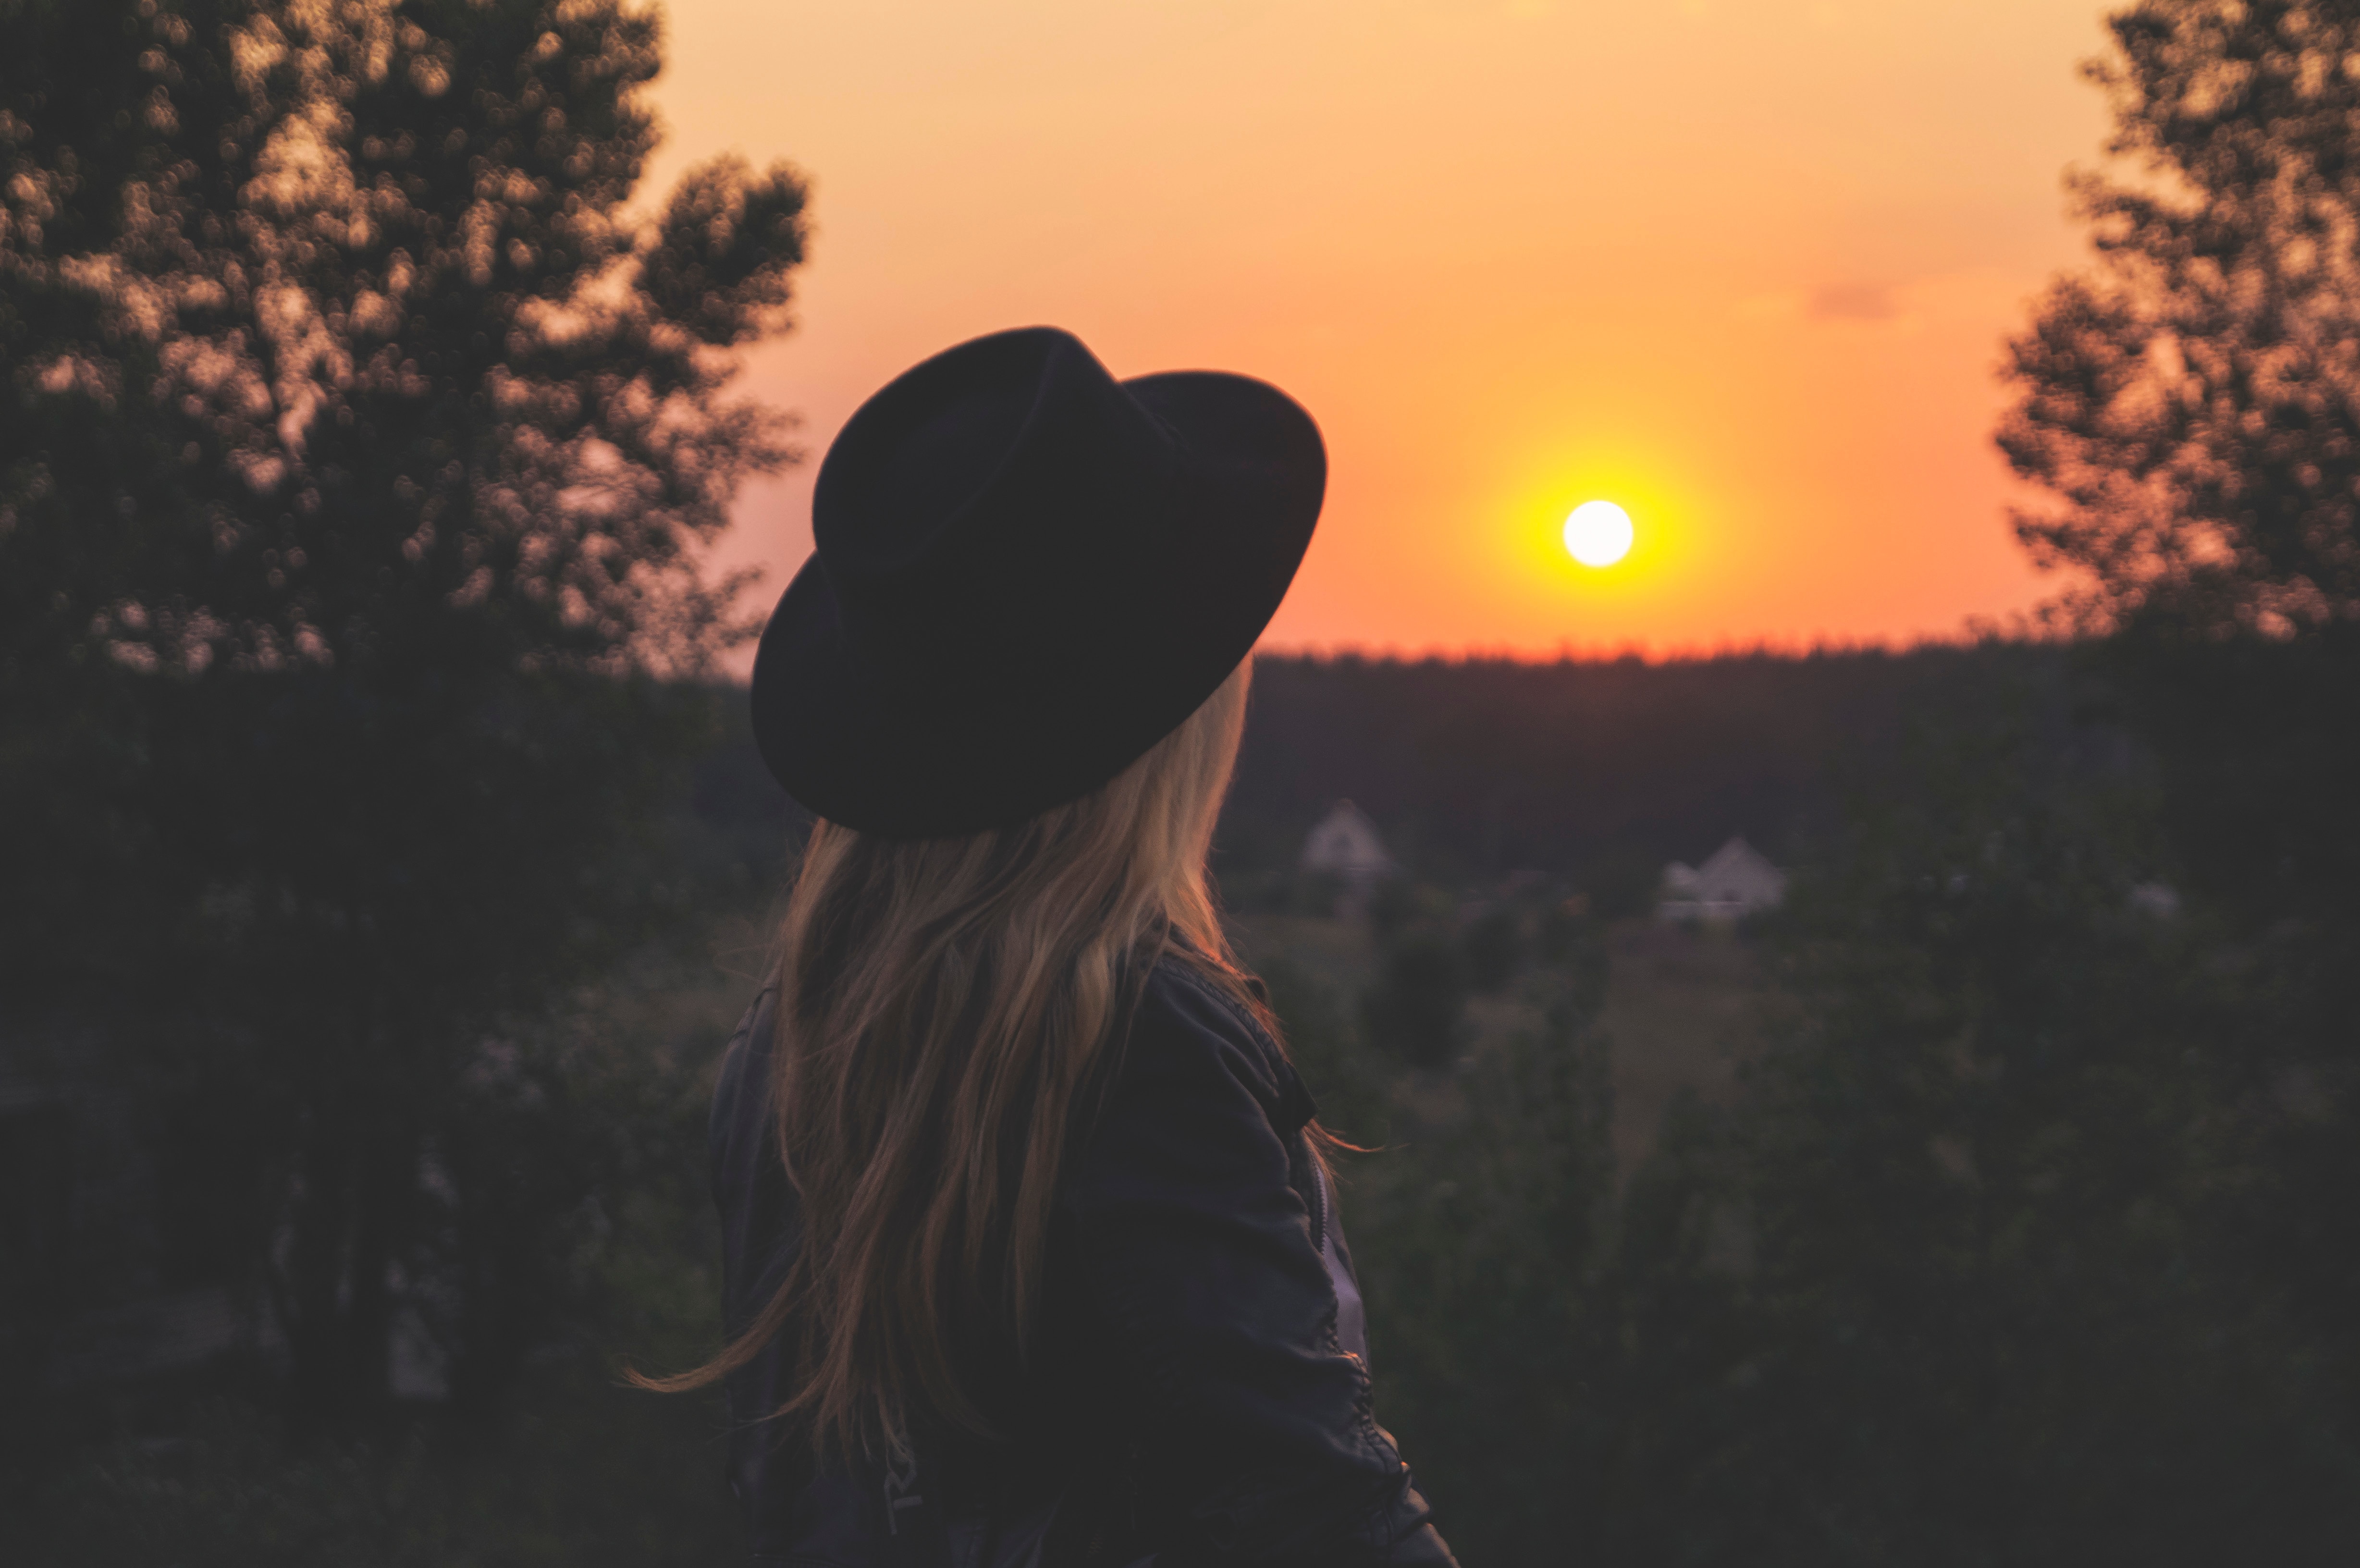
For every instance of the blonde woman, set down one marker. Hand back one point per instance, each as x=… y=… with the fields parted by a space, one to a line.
x=1031 y=1255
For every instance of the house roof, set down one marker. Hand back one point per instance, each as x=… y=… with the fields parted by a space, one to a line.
x=1346 y=839
x=1738 y=870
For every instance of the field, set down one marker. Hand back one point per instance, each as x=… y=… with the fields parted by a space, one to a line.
x=1682 y=1009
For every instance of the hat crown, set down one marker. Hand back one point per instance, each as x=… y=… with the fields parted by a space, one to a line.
x=976 y=489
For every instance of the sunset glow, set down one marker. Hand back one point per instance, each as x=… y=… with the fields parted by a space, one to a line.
x=1743 y=267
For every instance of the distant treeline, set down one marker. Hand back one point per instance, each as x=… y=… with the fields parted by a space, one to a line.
x=1597 y=771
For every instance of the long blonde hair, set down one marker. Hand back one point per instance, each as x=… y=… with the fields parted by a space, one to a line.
x=942 y=1003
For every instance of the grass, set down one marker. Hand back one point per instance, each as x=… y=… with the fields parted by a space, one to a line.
x=580 y=1471
x=1682 y=1009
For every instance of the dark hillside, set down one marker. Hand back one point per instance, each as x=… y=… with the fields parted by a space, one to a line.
x=1479 y=766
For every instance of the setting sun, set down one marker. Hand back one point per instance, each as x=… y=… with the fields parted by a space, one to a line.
x=1598 y=533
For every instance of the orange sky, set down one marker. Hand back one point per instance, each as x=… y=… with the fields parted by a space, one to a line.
x=1742 y=266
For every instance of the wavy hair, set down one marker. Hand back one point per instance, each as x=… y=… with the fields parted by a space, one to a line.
x=942 y=1003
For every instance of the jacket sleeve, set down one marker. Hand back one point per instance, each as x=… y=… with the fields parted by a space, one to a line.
x=788 y=1505
x=1198 y=1252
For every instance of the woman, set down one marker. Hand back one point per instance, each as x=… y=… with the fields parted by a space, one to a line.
x=1031 y=1257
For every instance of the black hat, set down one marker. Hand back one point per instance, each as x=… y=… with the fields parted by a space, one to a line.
x=1027 y=573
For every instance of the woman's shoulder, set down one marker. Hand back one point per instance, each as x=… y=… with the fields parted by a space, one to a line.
x=1192 y=1037
x=1183 y=1006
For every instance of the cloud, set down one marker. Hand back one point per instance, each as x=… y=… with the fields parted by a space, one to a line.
x=1853 y=302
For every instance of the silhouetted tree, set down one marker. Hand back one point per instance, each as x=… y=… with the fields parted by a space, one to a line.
x=2192 y=401
x=395 y=435
x=1957 y=1278
x=79 y=132
x=2193 y=404
x=1990 y=1177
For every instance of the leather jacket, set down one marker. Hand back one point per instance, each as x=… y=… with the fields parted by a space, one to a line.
x=1197 y=1387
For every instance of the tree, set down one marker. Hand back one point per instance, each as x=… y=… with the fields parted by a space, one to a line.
x=1991 y=1172
x=2193 y=402
x=394 y=434
x=73 y=136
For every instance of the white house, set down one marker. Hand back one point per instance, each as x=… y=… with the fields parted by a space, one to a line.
x=1736 y=882
x=1346 y=844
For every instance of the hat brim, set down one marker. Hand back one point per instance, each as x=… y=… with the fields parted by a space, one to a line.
x=871 y=755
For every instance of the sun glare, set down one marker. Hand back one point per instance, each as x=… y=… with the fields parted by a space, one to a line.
x=1598 y=533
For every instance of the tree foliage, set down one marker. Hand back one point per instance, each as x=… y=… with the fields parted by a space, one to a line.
x=364 y=437
x=1964 y=1274
x=1990 y=1173
x=2191 y=402
x=409 y=369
